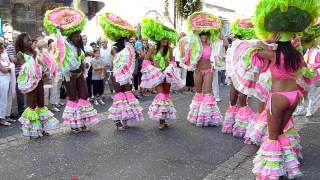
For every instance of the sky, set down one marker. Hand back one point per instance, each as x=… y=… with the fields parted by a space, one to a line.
x=134 y=10
x=242 y=7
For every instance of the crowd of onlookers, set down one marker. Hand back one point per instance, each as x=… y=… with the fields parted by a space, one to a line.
x=98 y=72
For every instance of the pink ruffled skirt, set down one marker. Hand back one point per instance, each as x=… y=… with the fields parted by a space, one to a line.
x=204 y=111
x=125 y=108
x=162 y=108
x=78 y=114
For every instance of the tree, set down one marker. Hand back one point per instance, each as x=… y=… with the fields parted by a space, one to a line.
x=184 y=8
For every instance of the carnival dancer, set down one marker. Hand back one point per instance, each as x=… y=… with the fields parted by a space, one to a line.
x=276 y=156
x=256 y=130
x=46 y=60
x=125 y=109
x=67 y=24
x=238 y=117
x=36 y=120
x=201 y=50
x=159 y=70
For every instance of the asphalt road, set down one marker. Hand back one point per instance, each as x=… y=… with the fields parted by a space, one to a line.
x=182 y=151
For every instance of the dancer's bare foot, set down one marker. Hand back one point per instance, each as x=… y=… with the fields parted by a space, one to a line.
x=119 y=126
x=44 y=133
x=75 y=130
x=84 y=129
x=162 y=124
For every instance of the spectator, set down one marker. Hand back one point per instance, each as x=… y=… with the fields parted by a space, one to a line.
x=88 y=69
x=57 y=82
x=132 y=41
x=176 y=54
x=87 y=48
x=221 y=65
x=98 y=70
x=93 y=45
x=12 y=55
x=34 y=44
x=138 y=46
x=50 y=86
x=107 y=59
x=51 y=46
x=7 y=76
x=220 y=47
x=144 y=51
x=189 y=79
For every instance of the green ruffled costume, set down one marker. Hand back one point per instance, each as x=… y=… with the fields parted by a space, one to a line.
x=290 y=16
x=155 y=31
x=245 y=33
x=214 y=32
x=53 y=23
x=115 y=27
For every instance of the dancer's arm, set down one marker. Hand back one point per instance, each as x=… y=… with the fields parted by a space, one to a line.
x=150 y=53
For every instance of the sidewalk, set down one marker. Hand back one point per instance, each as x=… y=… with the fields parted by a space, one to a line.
x=239 y=167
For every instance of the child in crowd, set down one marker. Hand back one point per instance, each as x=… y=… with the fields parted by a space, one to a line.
x=46 y=60
x=98 y=73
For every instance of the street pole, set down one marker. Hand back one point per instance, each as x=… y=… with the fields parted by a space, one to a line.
x=75 y=4
x=174 y=15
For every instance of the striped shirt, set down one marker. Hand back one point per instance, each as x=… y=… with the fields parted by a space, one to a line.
x=11 y=51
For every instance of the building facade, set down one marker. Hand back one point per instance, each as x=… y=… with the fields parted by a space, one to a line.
x=27 y=15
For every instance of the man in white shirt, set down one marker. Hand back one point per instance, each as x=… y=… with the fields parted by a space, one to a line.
x=220 y=49
x=87 y=48
x=176 y=54
x=88 y=69
x=107 y=58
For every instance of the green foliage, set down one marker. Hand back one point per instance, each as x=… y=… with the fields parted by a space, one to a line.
x=185 y=8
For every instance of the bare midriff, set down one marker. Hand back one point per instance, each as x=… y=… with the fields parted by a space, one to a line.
x=283 y=85
x=204 y=64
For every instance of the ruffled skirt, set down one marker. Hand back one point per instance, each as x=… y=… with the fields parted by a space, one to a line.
x=35 y=121
x=229 y=119
x=125 y=108
x=29 y=76
x=152 y=76
x=162 y=108
x=242 y=74
x=204 y=111
x=244 y=116
x=77 y=115
x=276 y=158
x=257 y=132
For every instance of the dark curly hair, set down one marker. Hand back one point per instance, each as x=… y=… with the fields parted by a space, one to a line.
x=120 y=44
x=19 y=45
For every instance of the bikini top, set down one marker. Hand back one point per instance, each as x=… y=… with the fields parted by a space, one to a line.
x=162 y=59
x=281 y=72
x=206 y=53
